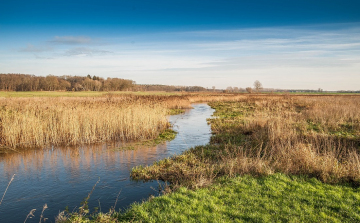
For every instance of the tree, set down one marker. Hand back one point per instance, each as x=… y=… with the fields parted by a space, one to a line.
x=229 y=89
x=257 y=85
x=249 y=90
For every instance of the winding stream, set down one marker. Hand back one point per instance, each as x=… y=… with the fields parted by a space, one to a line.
x=63 y=177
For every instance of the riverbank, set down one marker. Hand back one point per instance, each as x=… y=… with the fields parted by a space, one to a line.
x=63 y=176
x=273 y=198
x=301 y=153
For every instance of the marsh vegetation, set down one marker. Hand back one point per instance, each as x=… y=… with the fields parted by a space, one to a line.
x=268 y=156
x=258 y=139
x=39 y=122
x=261 y=135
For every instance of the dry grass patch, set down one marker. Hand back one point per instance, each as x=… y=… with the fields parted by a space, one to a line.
x=260 y=135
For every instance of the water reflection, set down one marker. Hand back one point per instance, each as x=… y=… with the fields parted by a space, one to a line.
x=63 y=177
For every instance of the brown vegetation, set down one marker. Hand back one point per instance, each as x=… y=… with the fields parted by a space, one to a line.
x=37 y=122
x=318 y=136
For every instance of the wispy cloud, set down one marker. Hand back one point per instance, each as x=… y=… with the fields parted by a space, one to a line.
x=285 y=57
x=84 y=51
x=71 y=40
x=42 y=57
x=35 y=49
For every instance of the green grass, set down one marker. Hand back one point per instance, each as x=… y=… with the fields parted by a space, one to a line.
x=75 y=94
x=164 y=136
x=275 y=198
x=176 y=111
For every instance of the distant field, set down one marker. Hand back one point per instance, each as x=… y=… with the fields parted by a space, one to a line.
x=76 y=94
x=318 y=93
x=101 y=93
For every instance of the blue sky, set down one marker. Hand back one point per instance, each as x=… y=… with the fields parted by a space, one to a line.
x=284 y=44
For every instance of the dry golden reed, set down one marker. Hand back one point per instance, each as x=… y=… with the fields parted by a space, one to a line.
x=35 y=122
x=318 y=136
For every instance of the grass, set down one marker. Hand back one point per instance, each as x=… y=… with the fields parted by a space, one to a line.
x=165 y=136
x=275 y=198
x=271 y=159
x=264 y=135
x=176 y=111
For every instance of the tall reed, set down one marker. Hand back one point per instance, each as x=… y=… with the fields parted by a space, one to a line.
x=259 y=135
x=35 y=122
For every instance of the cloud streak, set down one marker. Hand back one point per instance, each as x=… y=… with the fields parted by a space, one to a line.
x=35 y=49
x=290 y=57
x=71 y=40
x=84 y=51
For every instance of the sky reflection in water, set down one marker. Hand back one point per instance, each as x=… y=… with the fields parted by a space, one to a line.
x=63 y=177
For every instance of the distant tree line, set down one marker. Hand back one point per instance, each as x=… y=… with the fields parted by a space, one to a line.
x=234 y=89
x=25 y=82
x=158 y=87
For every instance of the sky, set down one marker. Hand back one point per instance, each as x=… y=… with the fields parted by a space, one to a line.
x=298 y=44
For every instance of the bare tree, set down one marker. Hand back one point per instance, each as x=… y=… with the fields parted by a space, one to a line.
x=229 y=89
x=213 y=87
x=249 y=90
x=257 y=85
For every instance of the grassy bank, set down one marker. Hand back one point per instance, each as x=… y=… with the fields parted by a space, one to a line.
x=271 y=159
x=164 y=136
x=261 y=135
x=275 y=198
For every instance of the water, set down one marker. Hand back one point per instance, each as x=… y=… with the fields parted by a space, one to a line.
x=63 y=177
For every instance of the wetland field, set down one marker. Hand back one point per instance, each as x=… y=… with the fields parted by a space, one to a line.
x=231 y=158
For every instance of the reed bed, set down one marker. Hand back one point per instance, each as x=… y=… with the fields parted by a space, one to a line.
x=317 y=136
x=37 y=122
x=215 y=97
x=43 y=121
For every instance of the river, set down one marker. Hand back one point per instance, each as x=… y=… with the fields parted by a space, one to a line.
x=63 y=177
